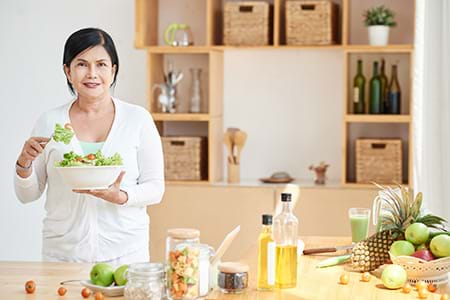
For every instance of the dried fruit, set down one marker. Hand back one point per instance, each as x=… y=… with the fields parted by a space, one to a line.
x=98 y=296
x=444 y=297
x=30 y=286
x=365 y=277
x=432 y=287
x=421 y=285
x=344 y=278
x=423 y=293
x=406 y=288
x=85 y=293
x=62 y=291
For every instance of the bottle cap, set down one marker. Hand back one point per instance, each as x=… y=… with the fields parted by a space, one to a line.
x=267 y=219
x=286 y=197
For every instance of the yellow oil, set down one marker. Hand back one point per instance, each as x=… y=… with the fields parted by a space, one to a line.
x=265 y=267
x=285 y=267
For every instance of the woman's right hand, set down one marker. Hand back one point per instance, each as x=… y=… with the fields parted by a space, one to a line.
x=31 y=149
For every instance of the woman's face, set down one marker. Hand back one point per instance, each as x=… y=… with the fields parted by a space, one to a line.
x=91 y=73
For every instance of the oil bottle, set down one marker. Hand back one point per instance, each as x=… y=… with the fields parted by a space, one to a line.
x=266 y=256
x=285 y=232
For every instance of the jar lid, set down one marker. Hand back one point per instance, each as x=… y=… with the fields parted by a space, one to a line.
x=233 y=267
x=183 y=233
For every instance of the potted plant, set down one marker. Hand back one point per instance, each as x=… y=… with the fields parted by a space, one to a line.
x=379 y=19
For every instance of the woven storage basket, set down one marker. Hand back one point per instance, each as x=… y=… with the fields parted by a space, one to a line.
x=246 y=23
x=185 y=158
x=311 y=22
x=379 y=160
x=434 y=271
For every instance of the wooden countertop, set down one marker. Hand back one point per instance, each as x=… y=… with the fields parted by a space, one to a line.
x=312 y=283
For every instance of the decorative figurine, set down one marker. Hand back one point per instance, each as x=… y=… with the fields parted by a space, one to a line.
x=320 y=170
x=167 y=96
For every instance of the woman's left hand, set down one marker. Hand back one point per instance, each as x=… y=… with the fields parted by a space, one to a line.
x=113 y=194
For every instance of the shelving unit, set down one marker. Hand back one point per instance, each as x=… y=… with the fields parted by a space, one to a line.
x=205 y=19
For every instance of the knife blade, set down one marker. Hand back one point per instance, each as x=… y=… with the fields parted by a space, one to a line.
x=327 y=249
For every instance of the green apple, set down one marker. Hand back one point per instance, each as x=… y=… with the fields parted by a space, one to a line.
x=393 y=277
x=417 y=233
x=102 y=274
x=402 y=248
x=440 y=245
x=120 y=275
x=421 y=247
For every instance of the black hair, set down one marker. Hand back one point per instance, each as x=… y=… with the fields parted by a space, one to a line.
x=87 y=38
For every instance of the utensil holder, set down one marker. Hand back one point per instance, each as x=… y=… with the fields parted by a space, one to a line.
x=234 y=171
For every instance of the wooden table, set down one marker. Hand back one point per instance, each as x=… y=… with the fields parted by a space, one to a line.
x=313 y=283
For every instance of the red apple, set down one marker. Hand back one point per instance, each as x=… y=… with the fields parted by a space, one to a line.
x=423 y=254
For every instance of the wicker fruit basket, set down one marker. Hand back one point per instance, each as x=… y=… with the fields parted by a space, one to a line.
x=434 y=271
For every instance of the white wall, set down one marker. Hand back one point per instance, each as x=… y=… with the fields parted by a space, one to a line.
x=288 y=101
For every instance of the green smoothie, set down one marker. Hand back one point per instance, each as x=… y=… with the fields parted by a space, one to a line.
x=360 y=227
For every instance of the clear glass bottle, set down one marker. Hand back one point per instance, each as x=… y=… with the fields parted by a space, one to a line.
x=266 y=256
x=145 y=282
x=359 y=90
x=285 y=233
x=195 y=92
x=183 y=257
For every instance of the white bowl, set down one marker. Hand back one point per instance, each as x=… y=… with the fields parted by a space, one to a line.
x=108 y=291
x=89 y=177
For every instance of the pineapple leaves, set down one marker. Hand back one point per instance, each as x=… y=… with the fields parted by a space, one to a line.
x=432 y=221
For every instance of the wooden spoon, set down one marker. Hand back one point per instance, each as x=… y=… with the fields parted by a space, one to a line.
x=239 y=140
x=228 y=141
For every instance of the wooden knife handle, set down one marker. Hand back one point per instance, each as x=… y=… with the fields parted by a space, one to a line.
x=319 y=250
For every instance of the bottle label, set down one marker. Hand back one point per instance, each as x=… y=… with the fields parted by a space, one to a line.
x=271 y=263
x=356 y=94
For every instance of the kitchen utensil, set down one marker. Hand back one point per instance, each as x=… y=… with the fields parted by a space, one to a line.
x=178 y=35
x=327 y=249
x=227 y=139
x=225 y=244
x=333 y=261
x=239 y=140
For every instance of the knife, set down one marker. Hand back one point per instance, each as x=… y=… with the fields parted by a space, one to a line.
x=328 y=249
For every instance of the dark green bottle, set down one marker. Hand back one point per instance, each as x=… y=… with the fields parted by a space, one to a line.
x=394 y=93
x=359 y=83
x=384 y=88
x=375 y=91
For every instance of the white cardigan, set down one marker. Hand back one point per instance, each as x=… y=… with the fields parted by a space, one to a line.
x=83 y=228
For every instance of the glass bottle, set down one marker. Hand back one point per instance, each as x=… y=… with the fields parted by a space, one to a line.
x=145 y=281
x=195 y=92
x=375 y=91
x=266 y=256
x=394 y=93
x=359 y=83
x=384 y=87
x=285 y=229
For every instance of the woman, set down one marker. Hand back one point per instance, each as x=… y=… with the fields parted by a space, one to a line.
x=109 y=225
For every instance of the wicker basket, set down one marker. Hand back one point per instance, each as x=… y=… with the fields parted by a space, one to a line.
x=185 y=158
x=311 y=22
x=379 y=160
x=434 y=271
x=246 y=23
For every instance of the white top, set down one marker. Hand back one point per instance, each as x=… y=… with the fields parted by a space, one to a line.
x=82 y=228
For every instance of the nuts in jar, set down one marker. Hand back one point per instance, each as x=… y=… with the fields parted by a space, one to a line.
x=233 y=277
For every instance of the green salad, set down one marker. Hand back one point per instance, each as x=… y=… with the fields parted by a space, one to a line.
x=71 y=159
x=63 y=134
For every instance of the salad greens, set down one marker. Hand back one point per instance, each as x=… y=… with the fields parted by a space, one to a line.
x=63 y=134
x=71 y=159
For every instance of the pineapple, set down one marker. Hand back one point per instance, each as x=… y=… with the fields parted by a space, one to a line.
x=401 y=211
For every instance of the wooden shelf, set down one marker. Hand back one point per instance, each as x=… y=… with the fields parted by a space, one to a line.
x=380 y=49
x=180 y=117
x=187 y=182
x=367 y=185
x=180 y=50
x=377 y=118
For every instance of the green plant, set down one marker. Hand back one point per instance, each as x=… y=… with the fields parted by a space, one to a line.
x=379 y=15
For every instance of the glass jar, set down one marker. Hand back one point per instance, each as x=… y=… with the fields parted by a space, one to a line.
x=204 y=268
x=233 y=277
x=182 y=254
x=145 y=282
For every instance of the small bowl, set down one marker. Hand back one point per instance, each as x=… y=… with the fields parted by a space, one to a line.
x=108 y=291
x=89 y=177
x=433 y=271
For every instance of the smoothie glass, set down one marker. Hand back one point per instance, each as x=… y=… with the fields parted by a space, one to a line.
x=359 y=223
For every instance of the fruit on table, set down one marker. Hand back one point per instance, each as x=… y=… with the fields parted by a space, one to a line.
x=444 y=297
x=401 y=211
x=120 y=275
x=98 y=296
x=432 y=287
x=406 y=288
x=30 y=286
x=423 y=293
x=102 y=274
x=417 y=233
x=421 y=247
x=365 y=277
x=440 y=245
x=424 y=254
x=344 y=278
x=393 y=277
x=402 y=248
x=420 y=285
x=62 y=291
x=85 y=293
